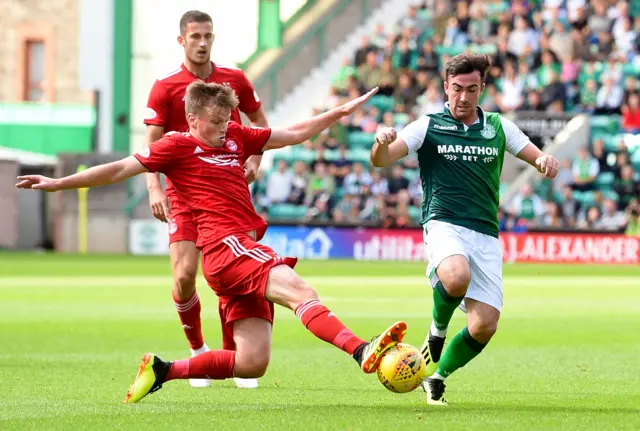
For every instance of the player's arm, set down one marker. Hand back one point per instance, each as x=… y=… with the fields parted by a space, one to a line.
x=389 y=147
x=258 y=119
x=520 y=146
x=158 y=111
x=300 y=132
x=100 y=175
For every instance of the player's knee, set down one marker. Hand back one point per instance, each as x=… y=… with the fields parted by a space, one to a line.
x=302 y=293
x=185 y=278
x=483 y=330
x=251 y=366
x=456 y=281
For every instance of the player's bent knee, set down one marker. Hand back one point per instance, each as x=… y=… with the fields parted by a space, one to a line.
x=455 y=275
x=185 y=277
x=250 y=366
x=483 y=330
x=302 y=293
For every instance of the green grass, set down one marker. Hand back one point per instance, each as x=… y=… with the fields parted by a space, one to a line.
x=73 y=328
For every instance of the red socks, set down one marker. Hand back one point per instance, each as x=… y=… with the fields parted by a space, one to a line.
x=214 y=364
x=325 y=325
x=189 y=312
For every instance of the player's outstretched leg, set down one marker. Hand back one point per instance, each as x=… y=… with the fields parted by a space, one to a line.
x=286 y=288
x=184 y=261
x=449 y=282
x=249 y=361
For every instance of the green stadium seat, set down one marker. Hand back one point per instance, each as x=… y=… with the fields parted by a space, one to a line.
x=587 y=198
x=415 y=213
x=605 y=180
x=411 y=174
x=383 y=103
x=360 y=140
x=610 y=194
x=286 y=211
x=362 y=155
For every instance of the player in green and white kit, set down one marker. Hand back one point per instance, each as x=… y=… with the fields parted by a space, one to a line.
x=460 y=152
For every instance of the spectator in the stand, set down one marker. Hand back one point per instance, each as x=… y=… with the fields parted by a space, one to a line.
x=369 y=72
x=626 y=187
x=589 y=96
x=553 y=217
x=428 y=61
x=632 y=215
x=599 y=22
x=406 y=91
x=611 y=218
x=356 y=179
x=379 y=184
x=579 y=47
x=630 y=87
x=609 y=98
x=533 y=101
x=378 y=37
x=590 y=221
x=585 y=170
x=564 y=177
x=299 y=183
x=622 y=160
x=528 y=206
x=319 y=212
x=511 y=96
x=397 y=182
x=341 y=166
x=569 y=207
x=529 y=80
x=431 y=101
x=631 y=114
x=598 y=152
x=479 y=25
x=560 y=41
x=554 y=92
x=404 y=56
x=341 y=80
x=363 y=51
x=522 y=36
x=320 y=185
x=388 y=78
x=279 y=184
x=453 y=34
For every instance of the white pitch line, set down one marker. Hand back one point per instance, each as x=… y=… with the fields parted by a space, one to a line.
x=350 y=281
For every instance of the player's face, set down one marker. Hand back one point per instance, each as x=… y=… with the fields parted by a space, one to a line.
x=197 y=41
x=211 y=125
x=464 y=92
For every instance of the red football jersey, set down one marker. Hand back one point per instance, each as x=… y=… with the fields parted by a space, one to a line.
x=166 y=100
x=211 y=180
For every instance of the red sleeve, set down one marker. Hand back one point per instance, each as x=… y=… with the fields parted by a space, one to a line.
x=158 y=106
x=248 y=98
x=159 y=156
x=254 y=139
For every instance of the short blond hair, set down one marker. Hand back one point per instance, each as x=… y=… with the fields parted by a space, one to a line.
x=202 y=96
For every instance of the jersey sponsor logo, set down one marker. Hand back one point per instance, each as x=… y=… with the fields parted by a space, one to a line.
x=231 y=145
x=439 y=127
x=488 y=132
x=145 y=153
x=198 y=150
x=222 y=160
x=469 y=153
x=150 y=113
x=173 y=227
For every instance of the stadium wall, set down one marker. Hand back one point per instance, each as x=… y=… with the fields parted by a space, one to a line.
x=149 y=237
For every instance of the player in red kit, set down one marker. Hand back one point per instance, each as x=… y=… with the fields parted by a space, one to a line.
x=205 y=166
x=165 y=113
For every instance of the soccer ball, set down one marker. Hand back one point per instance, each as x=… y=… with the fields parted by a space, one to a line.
x=402 y=369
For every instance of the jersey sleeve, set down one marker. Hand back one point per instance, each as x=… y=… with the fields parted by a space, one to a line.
x=158 y=105
x=415 y=133
x=159 y=155
x=254 y=139
x=516 y=140
x=248 y=97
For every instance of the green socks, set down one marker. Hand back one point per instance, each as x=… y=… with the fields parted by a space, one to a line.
x=443 y=306
x=461 y=349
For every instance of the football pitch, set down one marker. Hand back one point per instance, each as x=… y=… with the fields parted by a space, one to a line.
x=73 y=328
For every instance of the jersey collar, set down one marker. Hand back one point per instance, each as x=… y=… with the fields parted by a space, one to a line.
x=213 y=70
x=479 y=124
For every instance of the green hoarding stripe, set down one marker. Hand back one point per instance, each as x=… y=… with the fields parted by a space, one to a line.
x=122 y=41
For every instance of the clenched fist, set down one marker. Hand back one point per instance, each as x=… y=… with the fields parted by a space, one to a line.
x=386 y=136
x=547 y=165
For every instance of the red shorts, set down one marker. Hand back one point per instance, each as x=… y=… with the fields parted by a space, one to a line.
x=181 y=226
x=237 y=269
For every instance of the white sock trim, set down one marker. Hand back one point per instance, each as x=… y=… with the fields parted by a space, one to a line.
x=442 y=333
x=437 y=377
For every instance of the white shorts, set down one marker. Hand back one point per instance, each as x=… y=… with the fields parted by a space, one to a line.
x=482 y=251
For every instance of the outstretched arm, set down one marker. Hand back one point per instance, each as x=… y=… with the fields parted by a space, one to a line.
x=100 y=175
x=388 y=148
x=544 y=163
x=300 y=132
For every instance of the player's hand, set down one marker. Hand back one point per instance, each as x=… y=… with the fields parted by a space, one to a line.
x=160 y=205
x=386 y=136
x=548 y=166
x=354 y=104
x=250 y=171
x=38 y=182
